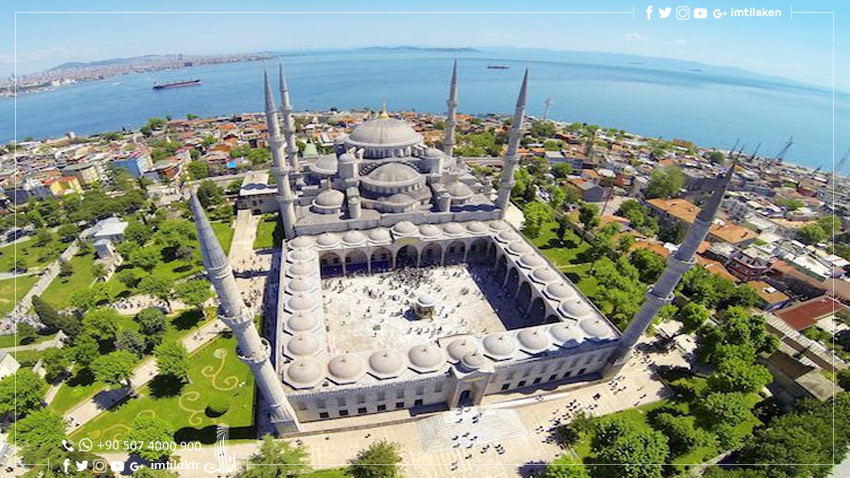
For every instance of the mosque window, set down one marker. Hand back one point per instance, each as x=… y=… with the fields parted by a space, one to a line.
x=417 y=402
x=343 y=413
x=581 y=372
x=520 y=384
x=537 y=380
x=399 y=404
x=552 y=378
x=505 y=386
x=569 y=372
x=382 y=408
x=438 y=387
x=324 y=415
x=361 y=410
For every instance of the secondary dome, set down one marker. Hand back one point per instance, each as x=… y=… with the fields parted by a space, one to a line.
x=459 y=190
x=425 y=358
x=302 y=323
x=301 y=303
x=518 y=248
x=497 y=226
x=567 y=335
x=400 y=199
x=575 y=308
x=453 y=229
x=301 y=269
x=379 y=235
x=303 y=373
x=533 y=340
x=595 y=327
x=384 y=132
x=300 y=285
x=544 y=276
x=386 y=363
x=353 y=238
x=325 y=165
x=404 y=228
x=499 y=346
x=346 y=368
x=328 y=240
x=462 y=347
x=302 y=345
x=473 y=361
x=300 y=241
x=476 y=227
x=330 y=198
x=394 y=173
x=507 y=237
x=559 y=291
x=301 y=255
x=531 y=261
x=429 y=230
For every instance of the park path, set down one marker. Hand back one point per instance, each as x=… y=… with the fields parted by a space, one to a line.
x=50 y=273
x=56 y=341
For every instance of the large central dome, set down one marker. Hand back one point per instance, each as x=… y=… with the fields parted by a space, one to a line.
x=387 y=132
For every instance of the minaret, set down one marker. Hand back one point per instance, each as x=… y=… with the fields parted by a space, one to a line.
x=507 y=182
x=251 y=349
x=451 y=115
x=288 y=123
x=280 y=169
x=678 y=263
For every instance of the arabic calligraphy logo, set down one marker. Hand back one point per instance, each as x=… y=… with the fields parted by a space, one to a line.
x=226 y=463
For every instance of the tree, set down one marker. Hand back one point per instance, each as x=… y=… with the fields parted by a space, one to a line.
x=735 y=374
x=379 y=460
x=151 y=429
x=722 y=413
x=55 y=363
x=129 y=277
x=65 y=268
x=812 y=234
x=209 y=194
x=42 y=238
x=102 y=323
x=158 y=287
x=22 y=392
x=194 y=292
x=638 y=216
x=66 y=232
x=665 y=182
x=152 y=325
x=561 y=170
x=843 y=378
x=132 y=341
x=536 y=215
x=588 y=216
x=640 y=453
x=625 y=243
x=277 y=459
x=692 y=316
x=172 y=359
x=716 y=157
x=40 y=434
x=564 y=467
x=681 y=432
x=99 y=271
x=563 y=227
x=649 y=264
x=137 y=232
x=85 y=299
x=85 y=350
x=115 y=368
x=26 y=332
x=145 y=258
x=198 y=169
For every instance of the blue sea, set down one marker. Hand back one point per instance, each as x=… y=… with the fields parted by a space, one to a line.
x=711 y=106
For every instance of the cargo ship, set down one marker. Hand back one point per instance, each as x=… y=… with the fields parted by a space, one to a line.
x=497 y=67
x=176 y=84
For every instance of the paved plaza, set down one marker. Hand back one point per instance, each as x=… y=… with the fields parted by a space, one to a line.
x=368 y=312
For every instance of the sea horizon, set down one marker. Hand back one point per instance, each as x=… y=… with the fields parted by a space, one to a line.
x=713 y=106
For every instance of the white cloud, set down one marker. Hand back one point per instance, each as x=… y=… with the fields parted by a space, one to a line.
x=680 y=42
x=56 y=53
x=636 y=37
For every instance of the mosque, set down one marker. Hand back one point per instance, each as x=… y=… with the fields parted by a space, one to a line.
x=385 y=205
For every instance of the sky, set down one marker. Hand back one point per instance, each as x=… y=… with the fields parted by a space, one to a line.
x=800 y=49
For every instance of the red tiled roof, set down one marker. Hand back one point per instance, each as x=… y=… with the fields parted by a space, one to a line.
x=803 y=316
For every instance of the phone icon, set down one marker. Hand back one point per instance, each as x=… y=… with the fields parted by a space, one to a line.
x=69 y=446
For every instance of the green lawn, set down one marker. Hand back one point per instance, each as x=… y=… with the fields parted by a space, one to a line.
x=224 y=233
x=579 y=274
x=32 y=255
x=561 y=253
x=11 y=292
x=9 y=340
x=331 y=473
x=82 y=385
x=269 y=232
x=214 y=371
x=28 y=358
x=58 y=294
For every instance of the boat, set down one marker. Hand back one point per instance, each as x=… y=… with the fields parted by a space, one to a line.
x=176 y=84
x=497 y=67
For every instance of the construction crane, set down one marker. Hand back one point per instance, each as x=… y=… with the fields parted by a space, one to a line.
x=841 y=162
x=546 y=105
x=784 y=150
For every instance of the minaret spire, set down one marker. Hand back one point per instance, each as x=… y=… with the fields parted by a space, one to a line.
x=677 y=264
x=251 y=348
x=451 y=115
x=288 y=122
x=280 y=168
x=506 y=184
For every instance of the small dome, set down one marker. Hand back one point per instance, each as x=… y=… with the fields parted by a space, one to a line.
x=459 y=190
x=301 y=269
x=462 y=347
x=453 y=229
x=430 y=230
x=473 y=361
x=301 y=255
x=544 y=276
x=301 y=303
x=347 y=158
x=346 y=368
x=300 y=285
x=400 y=198
x=531 y=261
x=518 y=248
x=302 y=323
x=498 y=226
x=476 y=227
x=386 y=363
x=426 y=300
x=300 y=241
x=302 y=345
x=379 y=235
x=499 y=346
x=394 y=173
x=567 y=335
x=533 y=340
x=575 y=308
x=328 y=240
x=330 y=198
x=425 y=358
x=325 y=165
x=353 y=238
x=303 y=373
x=404 y=228
x=559 y=291
x=507 y=237
x=595 y=327
x=433 y=153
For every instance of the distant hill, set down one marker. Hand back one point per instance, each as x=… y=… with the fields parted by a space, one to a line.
x=418 y=48
x=71 y=65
